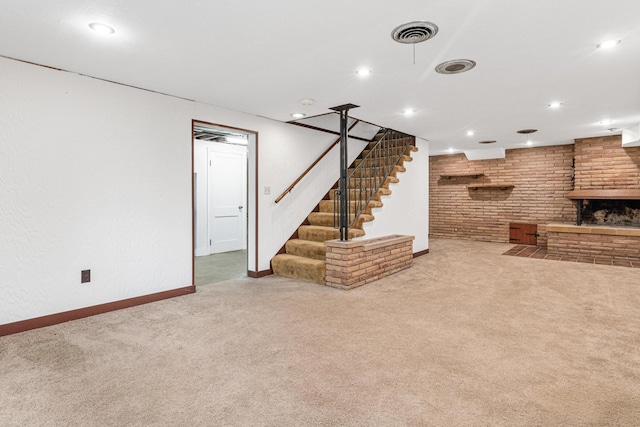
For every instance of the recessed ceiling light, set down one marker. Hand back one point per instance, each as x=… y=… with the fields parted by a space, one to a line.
x=455 y=66
x=307 y=101
x=613 y=129
x=363 y=72
x=555 y=104
x=529 y=142
x=409 y=112
x=101 y=28
x=606 y=122
x=298 y=115
x=452 y=150
x=470 y=133
x=608 y=44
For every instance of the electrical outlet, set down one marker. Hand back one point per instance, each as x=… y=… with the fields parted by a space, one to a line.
x=455 y=229
x=267 y=190
x=85 y=276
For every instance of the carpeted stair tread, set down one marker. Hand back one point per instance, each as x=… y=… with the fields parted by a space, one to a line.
x=386 y=162
x=326 y=219
x=322 y=234
x=297 y=267
x=367 y=182
x=353 y=194
x=328 y=205
x=306 y=248
x=396 y=169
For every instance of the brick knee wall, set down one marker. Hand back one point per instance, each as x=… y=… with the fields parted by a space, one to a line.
x=355 y=263
x=603 y=246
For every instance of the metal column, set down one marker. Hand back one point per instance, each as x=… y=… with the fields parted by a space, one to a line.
x=343 y=188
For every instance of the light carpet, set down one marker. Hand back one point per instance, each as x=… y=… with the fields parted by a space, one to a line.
x=466 y=337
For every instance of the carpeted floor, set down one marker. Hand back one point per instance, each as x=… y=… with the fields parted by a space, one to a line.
x=466 y=337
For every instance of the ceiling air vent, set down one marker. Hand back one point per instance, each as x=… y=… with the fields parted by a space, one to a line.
x=455 y=66
x=414 y=32
x=491 y=141
x=527 y=131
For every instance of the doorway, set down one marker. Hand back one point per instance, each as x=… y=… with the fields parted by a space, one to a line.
x=222 y=209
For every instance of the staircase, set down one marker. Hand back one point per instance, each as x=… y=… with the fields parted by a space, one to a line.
x=304 y=256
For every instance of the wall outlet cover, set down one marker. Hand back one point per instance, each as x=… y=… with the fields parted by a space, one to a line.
x=85 y=276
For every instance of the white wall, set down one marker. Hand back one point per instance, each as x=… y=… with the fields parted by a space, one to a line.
x=200 y=181
x=95 y=175
x=406 y=210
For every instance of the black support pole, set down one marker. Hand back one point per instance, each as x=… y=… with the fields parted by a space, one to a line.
x=343 y=188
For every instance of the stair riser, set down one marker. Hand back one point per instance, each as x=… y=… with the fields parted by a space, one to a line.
x=329 y=234
x=294 y=247
x=327 y=219
x=369 y=182
x=393 y=152
x=328 y=206
x=354 y=194
x=359 y=172
x=302 y=271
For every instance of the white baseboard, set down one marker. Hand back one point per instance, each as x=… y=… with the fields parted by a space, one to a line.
x=202 y=251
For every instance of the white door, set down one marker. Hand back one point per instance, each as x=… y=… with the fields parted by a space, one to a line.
x=227 y=198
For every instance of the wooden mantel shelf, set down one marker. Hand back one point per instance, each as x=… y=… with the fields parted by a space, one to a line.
x=502 y=186
x=461 y=175
x=604 y=194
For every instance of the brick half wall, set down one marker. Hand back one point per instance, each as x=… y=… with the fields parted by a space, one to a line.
x=606 y=243
x=357 y=262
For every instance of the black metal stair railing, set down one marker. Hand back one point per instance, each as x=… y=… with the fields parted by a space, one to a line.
x=370 y=174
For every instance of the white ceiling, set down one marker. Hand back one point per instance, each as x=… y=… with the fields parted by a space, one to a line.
x=263 y=56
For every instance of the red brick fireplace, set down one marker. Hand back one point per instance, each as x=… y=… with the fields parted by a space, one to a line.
x=607 y=199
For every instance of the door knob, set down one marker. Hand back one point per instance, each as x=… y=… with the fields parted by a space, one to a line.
x=240 y=207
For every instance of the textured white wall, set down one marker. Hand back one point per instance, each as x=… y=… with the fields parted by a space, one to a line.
x=92 y=176
x=200 y=168
x=406 y=210
x=95 y=175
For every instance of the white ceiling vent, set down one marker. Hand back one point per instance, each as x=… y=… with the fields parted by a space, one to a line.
x=485 y=153
x=414 y=32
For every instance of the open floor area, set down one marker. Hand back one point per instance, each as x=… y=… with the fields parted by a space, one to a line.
x=464 y=337
x=220 y=267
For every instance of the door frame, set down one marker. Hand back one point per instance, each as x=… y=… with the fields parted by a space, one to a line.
x=252 y=197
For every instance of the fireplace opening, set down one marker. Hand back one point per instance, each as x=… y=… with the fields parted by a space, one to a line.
x=619 y=213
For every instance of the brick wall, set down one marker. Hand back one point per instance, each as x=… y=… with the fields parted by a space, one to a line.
x=356 y=262
x=541 y=176
x=599 y=242
x=604 y=163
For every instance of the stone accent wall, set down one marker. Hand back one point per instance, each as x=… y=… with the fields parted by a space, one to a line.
x=541 y=178
x=357 y=262
x=602 y=163
x=607 y=243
